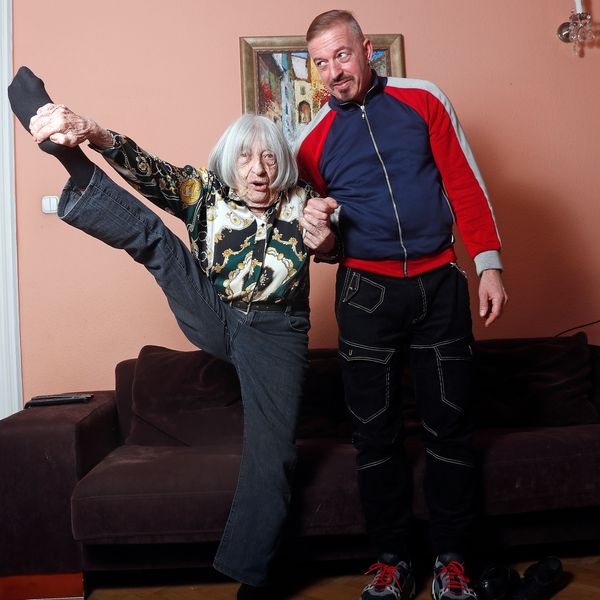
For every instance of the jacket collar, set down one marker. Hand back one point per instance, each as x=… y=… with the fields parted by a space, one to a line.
x=377 y=85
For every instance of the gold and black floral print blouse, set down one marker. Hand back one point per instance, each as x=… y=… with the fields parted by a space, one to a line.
x=250 y=258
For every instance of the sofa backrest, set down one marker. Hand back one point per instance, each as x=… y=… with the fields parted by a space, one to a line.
x=536 y=382
x=171 y=397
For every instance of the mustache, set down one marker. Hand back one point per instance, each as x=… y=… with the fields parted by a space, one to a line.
x=342 y=79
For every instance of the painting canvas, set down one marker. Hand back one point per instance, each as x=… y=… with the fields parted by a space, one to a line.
x=281 y=82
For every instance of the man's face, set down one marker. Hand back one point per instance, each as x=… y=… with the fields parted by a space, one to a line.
x=343 y=62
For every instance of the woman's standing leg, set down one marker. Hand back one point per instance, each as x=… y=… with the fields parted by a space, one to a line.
x=269 y=351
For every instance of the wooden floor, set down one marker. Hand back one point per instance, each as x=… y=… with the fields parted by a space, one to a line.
x=584 y=584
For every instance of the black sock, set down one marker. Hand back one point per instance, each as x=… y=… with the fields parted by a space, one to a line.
x=26 y=94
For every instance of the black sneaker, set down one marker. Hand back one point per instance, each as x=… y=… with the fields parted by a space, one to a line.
x=393 y=580
x=541 y=580
x=449 y=579
x=498 y=582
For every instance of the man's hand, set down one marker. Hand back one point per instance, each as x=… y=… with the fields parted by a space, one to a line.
x=316 y=223
x=492 y=296
x=62 y=126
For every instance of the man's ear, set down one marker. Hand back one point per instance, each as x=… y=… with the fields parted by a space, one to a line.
x=368 y=46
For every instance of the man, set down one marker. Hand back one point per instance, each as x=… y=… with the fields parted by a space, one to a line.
x=392 y=154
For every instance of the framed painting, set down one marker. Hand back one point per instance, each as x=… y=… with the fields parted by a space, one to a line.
x=280 y=81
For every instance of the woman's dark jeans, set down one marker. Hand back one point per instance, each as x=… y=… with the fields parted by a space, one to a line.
x=383 y=322
x=268 y=350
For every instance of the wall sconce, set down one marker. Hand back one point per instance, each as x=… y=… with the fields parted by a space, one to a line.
x=578 y=29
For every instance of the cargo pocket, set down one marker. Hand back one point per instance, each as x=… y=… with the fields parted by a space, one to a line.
x=366 y=372
x=455 y=363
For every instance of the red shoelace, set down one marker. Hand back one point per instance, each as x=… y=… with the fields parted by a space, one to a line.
x=455 y=574
x=386 y=576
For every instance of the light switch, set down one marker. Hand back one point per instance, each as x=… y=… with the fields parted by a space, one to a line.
x=49 y=204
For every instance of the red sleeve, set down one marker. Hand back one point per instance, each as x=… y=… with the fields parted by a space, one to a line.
x=460 y=175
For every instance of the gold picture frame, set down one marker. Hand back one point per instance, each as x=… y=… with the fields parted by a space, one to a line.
x=280 y=81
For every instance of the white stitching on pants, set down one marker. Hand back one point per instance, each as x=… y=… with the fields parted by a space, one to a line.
x=442 y=388
x=424 y=298
x=362 y=358
x=374 y=463
x=429 y=429
x=448 y=460
x=381 y=296
x=349 y=356
x=444 y=343
x=366 y=347
x=381 y=410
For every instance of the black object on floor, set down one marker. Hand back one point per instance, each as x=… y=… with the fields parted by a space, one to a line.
x=541 y=580
x=498 y=582
x=249 y=592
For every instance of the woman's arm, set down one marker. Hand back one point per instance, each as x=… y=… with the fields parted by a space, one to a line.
x=62 y=126
x=172 y=188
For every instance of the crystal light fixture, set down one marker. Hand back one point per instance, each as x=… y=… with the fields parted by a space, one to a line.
x=578 y=29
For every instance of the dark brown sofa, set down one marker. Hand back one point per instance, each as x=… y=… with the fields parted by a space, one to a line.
x=142 y=477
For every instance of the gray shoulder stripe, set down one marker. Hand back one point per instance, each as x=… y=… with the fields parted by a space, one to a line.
x=434 y=90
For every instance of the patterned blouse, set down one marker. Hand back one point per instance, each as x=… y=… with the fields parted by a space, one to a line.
x=250 y=258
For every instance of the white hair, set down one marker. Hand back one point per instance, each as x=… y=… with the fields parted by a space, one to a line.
x=241 y=135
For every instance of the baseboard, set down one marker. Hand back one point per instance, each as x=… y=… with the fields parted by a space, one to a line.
x=61 y=586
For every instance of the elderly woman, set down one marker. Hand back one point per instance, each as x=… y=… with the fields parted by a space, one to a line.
x=241 y=293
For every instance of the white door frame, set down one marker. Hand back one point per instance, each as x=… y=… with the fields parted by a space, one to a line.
x=11 y=388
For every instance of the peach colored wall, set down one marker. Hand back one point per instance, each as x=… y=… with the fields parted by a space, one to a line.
x=168 y=74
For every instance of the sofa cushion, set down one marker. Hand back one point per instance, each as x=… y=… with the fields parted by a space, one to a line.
x=536 y=381
x=532 y=470
x=149 y=494
x=325 y=499
x=184 y=398
x=167 y=494
x=540 y=469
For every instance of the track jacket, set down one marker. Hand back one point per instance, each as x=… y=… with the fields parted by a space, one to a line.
x=403 y=173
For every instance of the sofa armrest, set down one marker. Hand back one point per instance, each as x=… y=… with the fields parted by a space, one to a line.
x=97 y=433
x=595 y=359
x=44 y=451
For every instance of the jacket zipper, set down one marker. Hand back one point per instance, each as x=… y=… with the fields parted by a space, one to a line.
x=387 y=179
